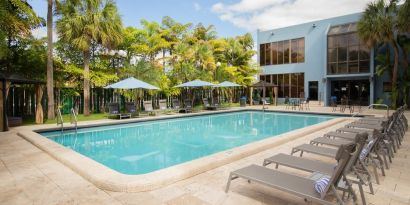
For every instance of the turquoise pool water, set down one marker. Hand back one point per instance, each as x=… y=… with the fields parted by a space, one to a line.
x=143 y=147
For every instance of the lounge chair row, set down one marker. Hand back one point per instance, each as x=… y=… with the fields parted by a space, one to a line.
x=131 y=109
x=367 y=142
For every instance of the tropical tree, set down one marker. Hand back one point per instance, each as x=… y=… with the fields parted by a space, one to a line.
x=150 y=41
x=50 y=78
x=378 y=25
x=85 y=22
x=238 y=57
x=403 y=19
x=17 y=19
x=173 y=31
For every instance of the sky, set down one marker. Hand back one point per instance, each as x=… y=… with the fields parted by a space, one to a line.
x=230 y=17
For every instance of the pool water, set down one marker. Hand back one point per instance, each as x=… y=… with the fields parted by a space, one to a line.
x=142 y=147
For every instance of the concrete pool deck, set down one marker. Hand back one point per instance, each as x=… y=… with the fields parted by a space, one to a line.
x=30 y=176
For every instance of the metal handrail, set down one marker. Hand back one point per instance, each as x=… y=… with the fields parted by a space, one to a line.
x=60 y=119
x=73 y=118
x=373 y=105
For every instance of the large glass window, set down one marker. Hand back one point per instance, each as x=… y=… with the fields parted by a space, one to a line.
x=280 y=86
x=289 y=84
x=286 y=85
x=294 y=51
x=286 y=52
x=301 y=50
x=282 y=52
x=262 y=54
x=301 y=83
x=345 y=52
x=274 y=48
x=293 y=84
x=267 y=54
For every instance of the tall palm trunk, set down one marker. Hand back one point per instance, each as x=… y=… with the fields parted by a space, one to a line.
x=86 y=82
x=406 y=77
x=394 y=75
x=50 y=80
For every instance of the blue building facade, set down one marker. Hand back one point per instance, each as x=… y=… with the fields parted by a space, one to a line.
x=319 y=60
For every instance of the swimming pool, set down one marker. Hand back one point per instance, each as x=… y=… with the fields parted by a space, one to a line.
x=143 y=147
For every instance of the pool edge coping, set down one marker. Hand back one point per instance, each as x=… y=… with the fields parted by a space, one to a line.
x=108 y=179
x=165 y=117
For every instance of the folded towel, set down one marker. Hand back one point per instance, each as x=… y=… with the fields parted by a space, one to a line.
x=321 y=184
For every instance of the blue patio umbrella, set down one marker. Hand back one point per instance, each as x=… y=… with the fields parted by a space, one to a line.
x=227 y=84
x=195 y=83
x=132 y=83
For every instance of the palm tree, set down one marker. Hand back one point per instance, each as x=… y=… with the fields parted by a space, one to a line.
x=377 y=25
x=404 y=17
x=88 y=22
x=403 y=21
x=50 y=82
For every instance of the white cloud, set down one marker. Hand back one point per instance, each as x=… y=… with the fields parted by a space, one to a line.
x=269 y=14
x=197 y=6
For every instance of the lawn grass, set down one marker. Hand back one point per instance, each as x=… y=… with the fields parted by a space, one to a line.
x=100 y=116
x=66 y=118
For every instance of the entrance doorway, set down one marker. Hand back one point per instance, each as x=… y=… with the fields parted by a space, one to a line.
x=313 y=87
x=356 y=91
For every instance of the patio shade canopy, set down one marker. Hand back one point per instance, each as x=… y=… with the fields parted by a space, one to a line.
x=132 y=83
x=6 y=79
x=227 y=84
x=195 y=83
x=262 y=84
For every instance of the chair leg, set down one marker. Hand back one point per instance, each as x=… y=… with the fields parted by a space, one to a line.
x=362 y=194
x=228 y=184
x=382 y=160
x=341 y=202
x=293 y=151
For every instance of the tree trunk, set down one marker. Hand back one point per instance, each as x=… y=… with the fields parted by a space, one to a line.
x=50 y=83
x=406 y=76
x=394 y=75
x=86 y=82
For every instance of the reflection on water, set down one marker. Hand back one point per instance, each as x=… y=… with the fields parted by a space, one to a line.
x=139 y=148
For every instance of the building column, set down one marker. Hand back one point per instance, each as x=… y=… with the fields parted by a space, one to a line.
x=39 y=108
x=326 y=91
x=275 y=91
x=371 y=85
x=372 y=78
x=250 y=96
x=2 y=106
x=4 y=86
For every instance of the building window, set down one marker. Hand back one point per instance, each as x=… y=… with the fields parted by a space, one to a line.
x=301 y=50
x=282 y=52
x=274 y=47
x=346 y=54
x=289 y=84
x=268 y=54
x=262 y=54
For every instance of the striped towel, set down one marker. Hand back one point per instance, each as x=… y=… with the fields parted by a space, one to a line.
x=321 y=184
x=366 y=150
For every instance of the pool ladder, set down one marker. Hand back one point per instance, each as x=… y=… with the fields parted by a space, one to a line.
x=60 y=119
x=73 y=118
x=375 y=105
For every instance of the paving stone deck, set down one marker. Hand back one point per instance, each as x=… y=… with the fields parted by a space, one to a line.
x=30 y=176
